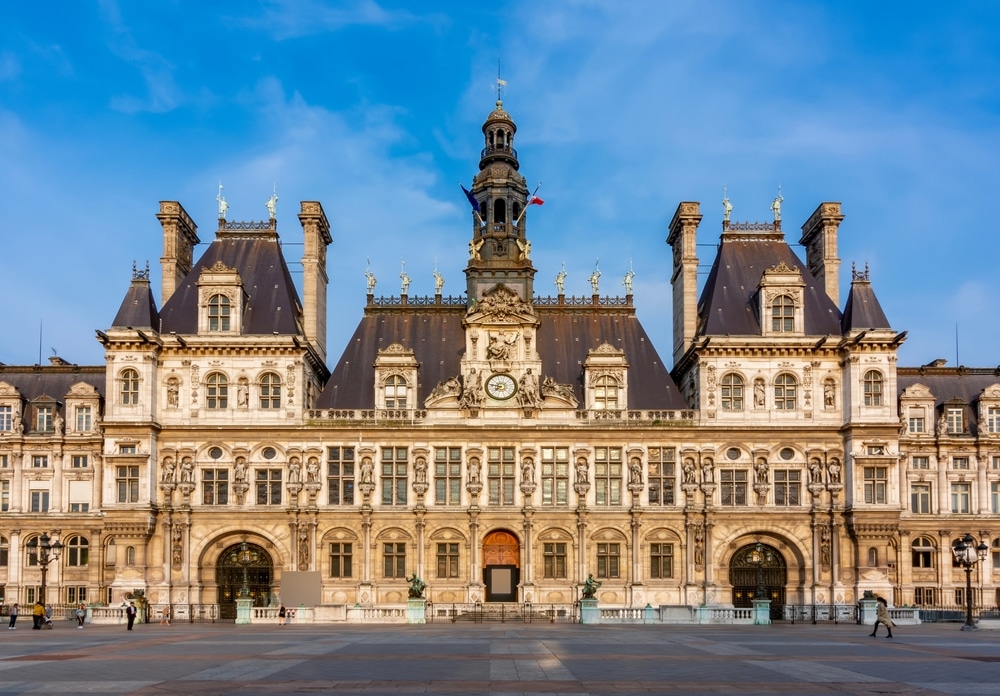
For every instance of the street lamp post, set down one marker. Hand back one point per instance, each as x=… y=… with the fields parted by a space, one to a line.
x=757 y=558
x=967 y=554
x=43 y=550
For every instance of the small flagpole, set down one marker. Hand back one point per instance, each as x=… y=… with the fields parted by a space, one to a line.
x=526 y=204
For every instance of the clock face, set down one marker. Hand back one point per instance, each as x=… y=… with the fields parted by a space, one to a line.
x=501 y=386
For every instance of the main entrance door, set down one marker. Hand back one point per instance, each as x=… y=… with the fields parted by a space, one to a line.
x=244 y=562
x=501 y=566
x=758 y=565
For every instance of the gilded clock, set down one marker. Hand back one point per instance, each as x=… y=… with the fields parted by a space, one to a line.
x=501 y=386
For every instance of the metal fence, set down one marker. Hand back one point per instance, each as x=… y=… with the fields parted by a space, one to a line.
x=496 y=612
x=818 y=613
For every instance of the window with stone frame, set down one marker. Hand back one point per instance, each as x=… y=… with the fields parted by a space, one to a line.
x=501 y=475
x=394 y=475
x=731 y=392
x=77 y=550
x=785 y=392
x=84 y=419
x=960 y=463
x=394 y=559
x=6 y=418
x=924 y=596
x=876 y=482
x=661 y=464
x=605 y=393
x=215 y=486
x=39 y=501
x=128 y=382
x=219 y=310
x=395 y=392
x=341 y=559
x=608 y=475
x=920 y=498
x=80 y=461
x=993 y=419
x=732 y=487
x=268 y=486
x=4 y=496
x=43 y=419
x=961 y=498
x=916 y=423
x=76 y=595
x=127 y=483
x=554 y=559
x=447 y=475
x=39 y=461
x=922 y=553
x=340 y=475
x=661 y=561
x=783 y=314
x=270 y=391
x=955 y=422
x=217 y=391
x=787 y=487
x=608 y=560
x=447 y=560
x=4 y=551
x=555 y=475
x=872 y=382
x=995 y=497
x=920 y=462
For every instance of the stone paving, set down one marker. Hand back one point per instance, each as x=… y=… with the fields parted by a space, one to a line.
x=570 y=660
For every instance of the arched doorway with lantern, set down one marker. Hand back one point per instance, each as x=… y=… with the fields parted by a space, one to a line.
x=758 y=571
x=501 y=566
x=243 y=569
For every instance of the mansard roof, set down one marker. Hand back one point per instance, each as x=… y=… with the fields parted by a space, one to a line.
x=437 y=339
x=272 y=303
x=728 y=305
x=138 y=309
x=948 y=383
x=53 y=381
x=863 y=310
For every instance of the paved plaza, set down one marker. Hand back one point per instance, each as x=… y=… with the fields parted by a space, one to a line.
x=498 y=659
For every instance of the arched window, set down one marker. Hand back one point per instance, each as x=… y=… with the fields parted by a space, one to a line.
x=873 y=388
x=77 y=551
x=217 y=391
x=4 y=552
x=996 y=554
x=732 y=392
x=923 y=553
x=130 y=556
x=218 y=313
x=111 y=554
x=785 y=386
x=499 y=210
x=873 y=557
x=783 y=314
x=30 y=559
x=130 y=387
x=605 y=393
x=270 y=390
x=395 y=392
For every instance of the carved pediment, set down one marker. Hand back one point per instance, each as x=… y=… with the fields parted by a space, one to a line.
x=8 y=389
x=82 y=389
x=991 y=392
x=501 y=304
x=917 y=391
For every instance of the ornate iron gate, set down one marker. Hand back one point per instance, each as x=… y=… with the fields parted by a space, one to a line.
x=237 y=564
x=758 y=565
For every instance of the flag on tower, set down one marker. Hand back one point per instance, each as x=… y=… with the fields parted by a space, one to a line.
x=535 y=200
x=472 y=199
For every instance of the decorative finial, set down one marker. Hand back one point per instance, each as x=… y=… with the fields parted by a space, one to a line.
x=561 y=279
x=860 y=275
x=223 y=206
x=595 y=277
x=627 y=280
x=727 y=207
x=403 y=277
x=370 y=278
x=438 y=278
x=272 y=203
x=776 y=205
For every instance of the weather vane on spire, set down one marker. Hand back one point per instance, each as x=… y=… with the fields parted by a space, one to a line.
x=501 y=83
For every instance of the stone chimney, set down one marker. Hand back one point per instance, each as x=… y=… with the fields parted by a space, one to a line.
x=684 y=279
x=316 y=234
x=180 y=235
x=819 y=236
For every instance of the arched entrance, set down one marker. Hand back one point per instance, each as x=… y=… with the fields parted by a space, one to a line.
x=239 y=562
x=501 y=566
x=757 y=565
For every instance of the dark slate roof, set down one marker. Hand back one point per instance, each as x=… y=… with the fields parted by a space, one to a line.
x=951 y=384
x=34 y=381
x=863 y=310
x=138 y=309
x=273 y=303
x=728 y=300
x=438 y=342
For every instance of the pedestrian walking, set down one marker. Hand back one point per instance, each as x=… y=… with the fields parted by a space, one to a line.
x=282 y=613
x=165 y=616
x=38 y=616
x=48 y=616
x=130 y=612
x=81 y=614
x=14 y=611
x=882 y=617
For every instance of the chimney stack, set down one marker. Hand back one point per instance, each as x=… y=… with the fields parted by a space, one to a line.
x=180 y=235
x=316 y=234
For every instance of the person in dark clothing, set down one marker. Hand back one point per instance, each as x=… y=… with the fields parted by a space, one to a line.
x=130 y=613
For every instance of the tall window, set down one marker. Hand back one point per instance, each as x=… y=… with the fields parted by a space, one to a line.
x=6 y=418
x=923 y=596
x=76 y=595
x=994 y=497
x=217 y=391
x=341 y=559
x=447 y=475
x=268 y=486
x=876 y=480
x=733 y=488
x=608 y=475
x=218 y=313
x=916 y=422
x=394 y=560
x=732 y=392
x=127 y=481
x=395 y=392
x=920 y=498
x=340 y=475
x=661 y=561
x=393 y=476
x=961 y=496
x=555 y=475
x=873 y=388
x=608 y=560
x=955 y=424
x=84 y=419
x=662 y=477
x=77 y=551
x=215 y=486
x=447 y=560
x=129 y=387
x=39 y=501
x=4 y=552
x=787 y=487
x=4 y=496
x=996 y=555
x=783 y=314
x=43 y=419
x=270 y=390
x=500 y=465
x=923 y=553
x=993 y=419
x=785 y=387
x=554 y=555
x=605 y=392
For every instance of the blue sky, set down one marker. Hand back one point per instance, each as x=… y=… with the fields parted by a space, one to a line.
x=624 y=109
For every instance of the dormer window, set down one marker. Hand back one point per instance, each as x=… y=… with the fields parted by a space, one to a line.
x=43 y=419
x=606 y=393
x=218 y=313
x=783 y=314
x=395 y=392
x=955 y=426
x=395 y=376
x=6 y=418
x=873 y=388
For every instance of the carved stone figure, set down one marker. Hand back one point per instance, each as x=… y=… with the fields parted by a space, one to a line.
x=312 y=471
x=815 y=471
x=595 y=281
x=590 y=587
x=528 y=470
x=169 y=469
x=561 y=281
x=370 y=281
x=833 y=470
x=173 y=390
x=58 y=425
x=501 y=345
x=17 y=423
x=708 y=470
x=760 y=471
x=582 y=470
x=448 y=387
x=240 y=470
x=294 y=471
x=417 y=587
x=474 y=470
x=527 y=394
x=367 y=471
x=187 y=470
x=758 y=393
x=303 y=548
x=474 y=248
x=223 y=205
x=438 y=281
x=242 y=392
x=829 y=394
x=824 y=546
x=699 y=545
x=776 y=206
x=472 y=395
x=420 y=470
x=635 y=471
x=627 y=281
x=689 y=471
x=272 y=205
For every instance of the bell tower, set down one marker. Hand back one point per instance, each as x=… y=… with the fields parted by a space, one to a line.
x=499 y=252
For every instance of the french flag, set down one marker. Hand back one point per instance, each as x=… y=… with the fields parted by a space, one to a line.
x=534 y=200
